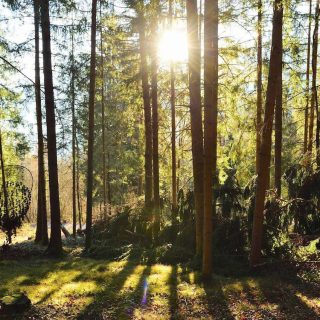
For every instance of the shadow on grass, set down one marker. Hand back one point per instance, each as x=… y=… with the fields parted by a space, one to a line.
x=213 y=305
x=111 y=303
x=173 y=297
x=285 y=295
x=217 y=302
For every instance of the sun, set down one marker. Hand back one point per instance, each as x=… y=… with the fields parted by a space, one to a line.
x=172 y=46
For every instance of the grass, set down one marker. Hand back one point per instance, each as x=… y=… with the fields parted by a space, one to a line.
x=79 y=288
x=76 y=287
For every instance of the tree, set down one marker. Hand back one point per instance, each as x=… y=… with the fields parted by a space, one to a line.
x=278 y=129
x=210 y=124
x=314 y=100
x=306 y=113
x=155 y=121
x=42 y=227
x=91 y=124
x=196 y=116
x=265 y=147
x=173 y=124
x=73 y=111
x=146 y=106
x=259 y=84
x=4 y=188
x=314 y=81
x=103 y=122
x=55 y=244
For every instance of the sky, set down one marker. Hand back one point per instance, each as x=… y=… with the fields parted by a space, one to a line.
x=18 y=28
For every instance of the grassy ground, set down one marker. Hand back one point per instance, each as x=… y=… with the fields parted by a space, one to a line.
x=89 y=289
x=75 y=287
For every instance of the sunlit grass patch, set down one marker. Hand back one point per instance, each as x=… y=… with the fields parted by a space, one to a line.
x=86 y=289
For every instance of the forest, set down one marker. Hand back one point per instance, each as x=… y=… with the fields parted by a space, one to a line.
x=159 y=159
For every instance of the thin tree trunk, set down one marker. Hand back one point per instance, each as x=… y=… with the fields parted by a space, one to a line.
x=179 y=161
x=259 y=84
x=147 y=113
x=74 y=200
x=196 y=116
x=314 y=79
x=265 y=148
x=91 y=124
x=4 y=186
x=155 y=125
x=278 y=130
x=173 y=124
x=306 y=113
x=314 y=82
x=42 y=225
x=104 y=176
x=109 y=184
x=78 y=185
x=55 y=244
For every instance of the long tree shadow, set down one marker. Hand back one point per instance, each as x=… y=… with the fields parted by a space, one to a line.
x=215 y=304
x=139 y=297
x=216 y=300
x=105 y=297
x=115 y=301
x=284 y=295
x=173 y=297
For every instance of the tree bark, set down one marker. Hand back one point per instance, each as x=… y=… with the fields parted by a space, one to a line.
x=314 y=82
x=278 y=130
x=210 y=125
x=74 y=178
x=173 y=126
x=78 y=184
x=104 y=175
x=196 y=116
x=314 y=79
x=147 y=113
x=155 y=124
x=55 y=244
x=4 y=187
x=306 y=113
x=42 y=225
x=265 y=148
x=92 y=88
x=259 y=84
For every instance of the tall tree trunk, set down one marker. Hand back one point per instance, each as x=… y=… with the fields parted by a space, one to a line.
x=42 y=225
x=74 y=178
x=210 y=125
x=265 y=148
x=108 y=183
x=314 y=78
x=173 y=125
x=196 y=116
x=306 y=113
x=147 y=113
x=314 y=82
x=104 y=175
x=78 y=184
x=91 y=124
x=55 y=244
x=155 y=124
x=278 y=130
x=4 y=186
x=259 y=84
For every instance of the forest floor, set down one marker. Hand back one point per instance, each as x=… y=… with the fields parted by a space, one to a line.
x=75 y=287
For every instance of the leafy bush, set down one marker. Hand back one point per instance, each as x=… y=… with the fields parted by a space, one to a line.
x=15 y=199
x=304 y=198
